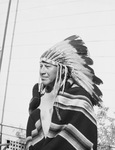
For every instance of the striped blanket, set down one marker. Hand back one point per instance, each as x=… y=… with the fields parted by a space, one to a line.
x=73 y=124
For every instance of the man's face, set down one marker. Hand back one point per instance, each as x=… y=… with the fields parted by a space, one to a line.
x=48 y=73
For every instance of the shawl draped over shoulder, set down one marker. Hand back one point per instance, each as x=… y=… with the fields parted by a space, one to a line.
x=73 y=123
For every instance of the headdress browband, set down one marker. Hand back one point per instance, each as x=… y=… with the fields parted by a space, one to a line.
x=48 y=61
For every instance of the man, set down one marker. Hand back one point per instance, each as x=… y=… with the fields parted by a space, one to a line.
x=61 y=110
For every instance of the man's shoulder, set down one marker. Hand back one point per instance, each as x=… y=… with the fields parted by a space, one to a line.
x=35 y=114
x=75 y=89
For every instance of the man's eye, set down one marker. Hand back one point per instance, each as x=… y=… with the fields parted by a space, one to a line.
x=47 y=66
x=41 y=66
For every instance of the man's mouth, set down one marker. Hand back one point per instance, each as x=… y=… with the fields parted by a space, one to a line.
x=44 y=77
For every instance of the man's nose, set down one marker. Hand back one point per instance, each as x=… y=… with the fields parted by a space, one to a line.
x=43 y=69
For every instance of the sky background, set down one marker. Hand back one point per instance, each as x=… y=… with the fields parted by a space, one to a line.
x=40 y=24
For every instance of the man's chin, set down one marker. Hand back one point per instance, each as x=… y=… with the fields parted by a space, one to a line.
x=45 y=82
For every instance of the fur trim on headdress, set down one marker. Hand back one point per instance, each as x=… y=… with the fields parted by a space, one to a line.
x=72 y=54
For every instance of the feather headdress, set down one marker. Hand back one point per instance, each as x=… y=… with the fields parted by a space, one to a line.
x=72 y=55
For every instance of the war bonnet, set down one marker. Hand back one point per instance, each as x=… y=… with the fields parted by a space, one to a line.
x=72 y=55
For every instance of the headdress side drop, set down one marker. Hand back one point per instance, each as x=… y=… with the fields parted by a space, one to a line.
x=72 y=54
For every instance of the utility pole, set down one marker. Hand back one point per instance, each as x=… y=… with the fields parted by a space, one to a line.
x=7 y=78
x=1 y=54
x=5 y=32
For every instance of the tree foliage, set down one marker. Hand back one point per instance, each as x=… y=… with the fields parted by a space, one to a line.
x=106 y=130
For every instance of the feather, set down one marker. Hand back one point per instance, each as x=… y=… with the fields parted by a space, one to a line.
x=84 y=81
x=97 y=100
x=81 y=49
x=73 y=37
x=97 y=80
x=97 y=90
x=88 y=60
